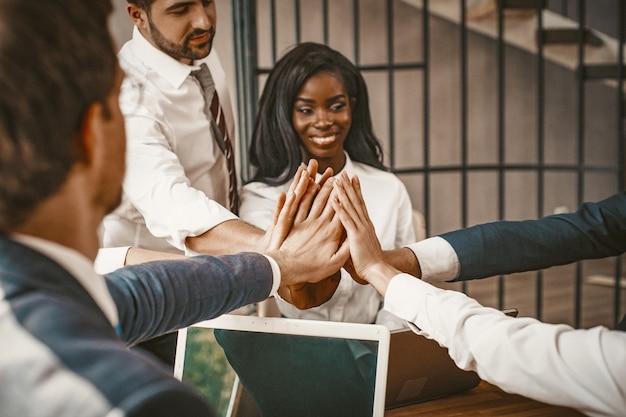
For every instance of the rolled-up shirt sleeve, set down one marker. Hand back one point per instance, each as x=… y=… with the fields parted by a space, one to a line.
x=159 y=188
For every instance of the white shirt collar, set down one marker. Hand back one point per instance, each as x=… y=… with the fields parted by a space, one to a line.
x=81 y=269
x=170 y=69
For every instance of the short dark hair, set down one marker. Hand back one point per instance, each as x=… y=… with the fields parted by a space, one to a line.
x=56 y=59
x=143 y=4
x=275 y=148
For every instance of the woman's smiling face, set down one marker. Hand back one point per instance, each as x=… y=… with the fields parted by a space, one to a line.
x=322 y=116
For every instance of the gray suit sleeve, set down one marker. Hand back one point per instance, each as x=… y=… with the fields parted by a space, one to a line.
x=158 y=297
x=595 y=230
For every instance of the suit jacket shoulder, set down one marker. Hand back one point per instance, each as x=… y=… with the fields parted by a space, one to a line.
x=56 y=340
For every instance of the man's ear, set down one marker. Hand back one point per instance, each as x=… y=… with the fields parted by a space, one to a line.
x=90 y=133
x=137 y=15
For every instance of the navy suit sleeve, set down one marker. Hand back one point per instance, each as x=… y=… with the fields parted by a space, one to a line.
x=595 y=230
x=158 y=297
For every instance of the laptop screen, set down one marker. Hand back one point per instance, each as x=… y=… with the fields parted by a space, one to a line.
x=246 y=365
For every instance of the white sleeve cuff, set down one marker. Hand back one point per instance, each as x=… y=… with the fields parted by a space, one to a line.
x=276 y=276
x=110 y=259
x=402 y=296
x=438 y=260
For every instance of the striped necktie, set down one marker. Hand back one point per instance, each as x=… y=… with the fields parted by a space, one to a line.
x=213 y=109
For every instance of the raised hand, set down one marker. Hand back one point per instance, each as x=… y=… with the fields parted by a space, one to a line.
x=308 y=294
x=306 y=191
x=366 y=256
x=312 y=248
x=307 y=200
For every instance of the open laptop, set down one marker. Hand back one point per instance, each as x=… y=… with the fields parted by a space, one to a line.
x=421 y=370
x=402 y=367
x=288 y=366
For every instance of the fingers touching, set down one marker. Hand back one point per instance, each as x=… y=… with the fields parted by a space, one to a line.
x=286 y=210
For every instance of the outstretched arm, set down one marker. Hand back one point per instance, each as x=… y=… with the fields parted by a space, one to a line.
x=158 y=297
x=595 y=230
x=520 y=355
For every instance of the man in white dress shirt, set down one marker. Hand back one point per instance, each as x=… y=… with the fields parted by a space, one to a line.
x=176 y=186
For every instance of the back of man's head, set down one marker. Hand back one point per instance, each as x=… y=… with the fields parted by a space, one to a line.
x=56 y=59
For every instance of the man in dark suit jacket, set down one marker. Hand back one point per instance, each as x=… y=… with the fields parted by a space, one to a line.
x=595 y=230
x=65 y=329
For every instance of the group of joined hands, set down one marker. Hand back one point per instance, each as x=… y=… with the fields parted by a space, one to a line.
x=319 y=227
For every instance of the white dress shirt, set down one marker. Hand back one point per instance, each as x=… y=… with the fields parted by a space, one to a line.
x=389 y=207
x=555 y=364
x=176 y=182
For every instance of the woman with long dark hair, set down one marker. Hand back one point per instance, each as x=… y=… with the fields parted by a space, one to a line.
x=315 y=106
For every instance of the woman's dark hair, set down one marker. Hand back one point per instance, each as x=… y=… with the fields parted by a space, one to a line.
x=275 y=147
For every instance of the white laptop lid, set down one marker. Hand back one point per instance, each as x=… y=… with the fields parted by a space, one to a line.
x=315 y=367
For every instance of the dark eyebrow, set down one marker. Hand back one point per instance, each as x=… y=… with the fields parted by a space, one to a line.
x=179 y=5
x=337 y=97
x=333 y=98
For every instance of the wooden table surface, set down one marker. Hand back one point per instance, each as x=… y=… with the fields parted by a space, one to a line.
x=484 y=400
